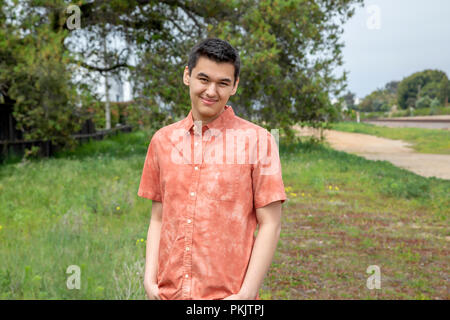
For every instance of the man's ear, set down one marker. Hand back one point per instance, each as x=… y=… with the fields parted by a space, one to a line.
x=235 y=87
x=186 y=76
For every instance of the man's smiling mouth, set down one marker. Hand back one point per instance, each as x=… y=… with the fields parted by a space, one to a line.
x=208 y=101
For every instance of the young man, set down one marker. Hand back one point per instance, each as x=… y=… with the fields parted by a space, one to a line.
x=209 y=193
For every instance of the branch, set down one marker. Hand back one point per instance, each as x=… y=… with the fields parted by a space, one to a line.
x=100 y=69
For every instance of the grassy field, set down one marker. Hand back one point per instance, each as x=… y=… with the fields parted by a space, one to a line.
x=423 y=140
x=344 y=213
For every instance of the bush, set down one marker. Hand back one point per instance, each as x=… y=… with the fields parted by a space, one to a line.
x=435 y=103
x=423 y=102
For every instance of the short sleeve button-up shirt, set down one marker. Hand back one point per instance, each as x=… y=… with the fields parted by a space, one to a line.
x=210 y=180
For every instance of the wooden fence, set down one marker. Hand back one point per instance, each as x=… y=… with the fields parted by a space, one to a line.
x=47 y=148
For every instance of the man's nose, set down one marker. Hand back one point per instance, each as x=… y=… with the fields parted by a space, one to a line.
x=211 y=89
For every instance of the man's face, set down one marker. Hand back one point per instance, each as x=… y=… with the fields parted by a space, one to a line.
x=210 y=86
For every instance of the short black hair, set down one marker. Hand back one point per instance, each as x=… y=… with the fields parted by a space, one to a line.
x=217 y=50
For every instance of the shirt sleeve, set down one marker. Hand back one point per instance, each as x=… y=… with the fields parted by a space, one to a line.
x=266 y=176
x=149 y=186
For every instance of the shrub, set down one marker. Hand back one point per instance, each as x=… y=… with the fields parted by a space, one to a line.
x=423 y=102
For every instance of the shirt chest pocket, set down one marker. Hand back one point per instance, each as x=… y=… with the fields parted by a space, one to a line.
x=220 y=181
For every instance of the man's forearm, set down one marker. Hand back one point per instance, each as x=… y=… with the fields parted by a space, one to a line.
x=152 y=249
x=261 y=258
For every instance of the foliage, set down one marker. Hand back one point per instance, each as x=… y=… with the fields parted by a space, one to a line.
x=443 y=91
x=381 y=99
x=435 y=103
x=288 y=51
x=35 y=74
x=427 y=82
x=136 y=113
x=392 y=86
x=378 y=100
x=280 y=83
x=423 y=102
x=349 y=99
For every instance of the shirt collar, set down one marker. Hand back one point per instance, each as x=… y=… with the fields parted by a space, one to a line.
x=219 y=123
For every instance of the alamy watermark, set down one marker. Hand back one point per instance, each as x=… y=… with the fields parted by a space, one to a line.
x=74 y=280
x=374 y=20
x=74 y=20
x=374 y=281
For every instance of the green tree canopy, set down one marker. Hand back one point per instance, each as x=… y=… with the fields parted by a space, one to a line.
x=378 y=100
x=419 y=84
x=381 y=99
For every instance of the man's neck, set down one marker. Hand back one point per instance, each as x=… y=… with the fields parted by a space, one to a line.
x=204 y=122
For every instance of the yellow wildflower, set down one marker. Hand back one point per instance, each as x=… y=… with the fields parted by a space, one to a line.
x=293 y=194
x=1 y=227
x=142 y=240
x=330 y=187
x=336 y=188
x=303 y=194
x=117 y=208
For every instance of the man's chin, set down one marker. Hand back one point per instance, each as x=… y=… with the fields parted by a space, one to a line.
x=208 y=111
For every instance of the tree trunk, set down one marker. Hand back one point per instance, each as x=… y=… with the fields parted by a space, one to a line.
x=107 y=107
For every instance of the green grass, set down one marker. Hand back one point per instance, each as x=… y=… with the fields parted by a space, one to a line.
x=343 y=214
x=423 y=140
x=407 y=113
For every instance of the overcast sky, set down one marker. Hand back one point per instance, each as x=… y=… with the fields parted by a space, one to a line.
x=413 y=35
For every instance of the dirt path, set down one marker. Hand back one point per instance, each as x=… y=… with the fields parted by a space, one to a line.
x=397 y=152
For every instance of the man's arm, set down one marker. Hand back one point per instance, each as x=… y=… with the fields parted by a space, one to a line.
x=152 y=249
x=269 y=220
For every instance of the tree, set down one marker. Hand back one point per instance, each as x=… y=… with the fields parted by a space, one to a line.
x=380 y=99
x=34 y=74
x=417 y=85
x=392 y=86
x=288 y=49
x=349 y=99
x=443 y=91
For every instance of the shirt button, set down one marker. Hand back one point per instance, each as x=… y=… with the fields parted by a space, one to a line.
x=188 y=220
x=196 y=144
x=187 y=249
x=186 y=276
x=192 y=193
x=196 y=168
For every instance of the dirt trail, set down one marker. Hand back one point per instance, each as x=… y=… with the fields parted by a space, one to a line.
x=397 y=152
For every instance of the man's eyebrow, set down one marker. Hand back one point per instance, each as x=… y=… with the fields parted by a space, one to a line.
x=201 y=74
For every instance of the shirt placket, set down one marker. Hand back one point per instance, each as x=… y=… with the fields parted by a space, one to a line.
x=190 y=215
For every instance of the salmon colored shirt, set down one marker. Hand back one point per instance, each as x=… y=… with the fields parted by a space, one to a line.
x=209 y=202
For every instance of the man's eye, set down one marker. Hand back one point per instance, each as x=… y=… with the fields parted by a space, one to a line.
x=203 y=80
